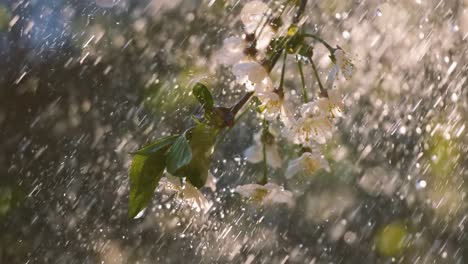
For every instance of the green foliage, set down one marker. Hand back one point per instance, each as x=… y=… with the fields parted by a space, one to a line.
x=145 y=173
x=179 y=155
x=216 y=116
x=203 y=95
x=187 y=155
x=201 y=142
x=156 y=146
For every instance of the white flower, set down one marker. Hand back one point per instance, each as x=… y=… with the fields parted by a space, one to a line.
x=271 y=103
x=254 y=153
x=253 y=75
x=267 y=194
x=307 y=130
x=332 y=77
x=190 y=194
x=331 y=106
x=253 y=15
x=232 y=51
x=335 y=102
x=343 y=64
x=264 y=38
x=308 y=162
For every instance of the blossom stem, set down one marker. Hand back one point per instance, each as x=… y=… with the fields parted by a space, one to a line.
x=319 y=39
x=283 y=70
x=271 y=62
x=264 y=180
x=323 y=92
x=304 y=91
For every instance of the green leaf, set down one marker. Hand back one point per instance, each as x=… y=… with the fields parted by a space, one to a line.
x=145 y=173
x=156 y=146
x=179 y=155
x=203 y=95
x=201 y=142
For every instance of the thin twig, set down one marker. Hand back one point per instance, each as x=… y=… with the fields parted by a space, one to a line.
x=283 y=70
x=319 y=39
x=323 y=91
x=304 y=91
x=265 y=164
x=238 y=106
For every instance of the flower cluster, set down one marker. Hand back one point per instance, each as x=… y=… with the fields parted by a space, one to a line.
x=251 y=59
x=270 y=36
x=245 y=55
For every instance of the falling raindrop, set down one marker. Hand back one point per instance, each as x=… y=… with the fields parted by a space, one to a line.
x=378 y=12
x=346 y=34
x=421 y=184
x=106 y=3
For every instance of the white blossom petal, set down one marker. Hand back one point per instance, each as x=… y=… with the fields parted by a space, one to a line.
x=278 y=195
x=339 y=57
x=308 y=162
x=332 y=77
x=267 y=194
x=253 y=75
x=308 y=130
x=231 y=52
x=294 y=167
x=265 y=37
x=190 y=194
x=272 y=103
x=336 y=102
x=253 y=15
x=247 y=190
x=287 y=114
x=343 y=63
x=273 y=156
x=254 y=153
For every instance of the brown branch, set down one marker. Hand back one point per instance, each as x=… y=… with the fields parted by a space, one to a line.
x=238 y=106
